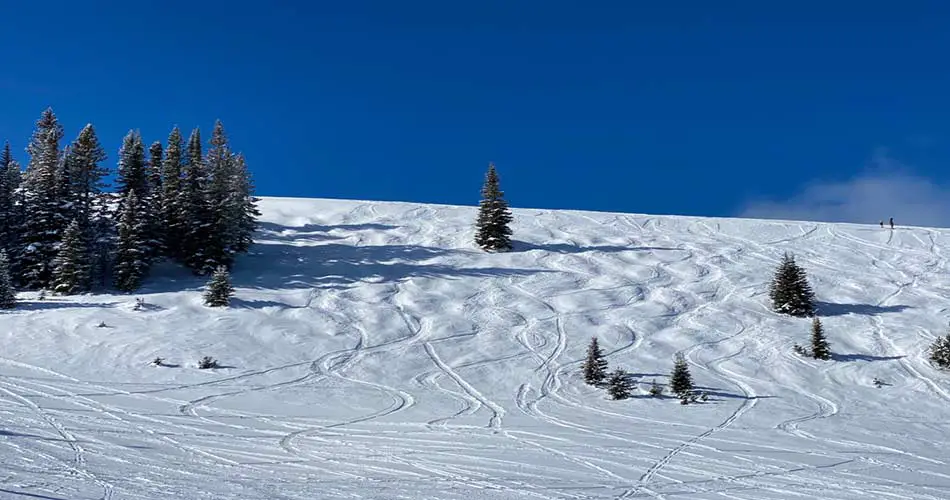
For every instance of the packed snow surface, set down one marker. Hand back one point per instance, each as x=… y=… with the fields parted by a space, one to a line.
x=372 y=352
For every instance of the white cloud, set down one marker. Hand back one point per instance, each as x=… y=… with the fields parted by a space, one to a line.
x=886 y=189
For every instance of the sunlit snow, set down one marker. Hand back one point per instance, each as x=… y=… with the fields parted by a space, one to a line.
x=372 y=352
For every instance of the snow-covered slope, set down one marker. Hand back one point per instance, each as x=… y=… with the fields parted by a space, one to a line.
x=372 y=352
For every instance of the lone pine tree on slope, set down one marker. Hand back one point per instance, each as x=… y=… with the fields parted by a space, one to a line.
x=492 y=231
x=820 y=349
x=790 y=292
x=595 y=366
x=681 y=382
x=7 y=292
x=220 y=289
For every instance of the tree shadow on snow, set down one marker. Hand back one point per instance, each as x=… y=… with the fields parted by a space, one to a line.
x=524 y=246
x=832 y=309
x=39 y=305
x=257 y=304
x=714 y=392
x=336 y=265
x=30 y=495
x=278 y=261
x=862 y=357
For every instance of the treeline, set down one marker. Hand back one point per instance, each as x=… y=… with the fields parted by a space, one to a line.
x=62 y=230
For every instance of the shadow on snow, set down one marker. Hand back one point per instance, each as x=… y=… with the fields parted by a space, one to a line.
x=524 y=246
x=832 y=309
x=862 y=357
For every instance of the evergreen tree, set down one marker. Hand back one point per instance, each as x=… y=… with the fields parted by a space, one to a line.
x=39 y=237
x=171 y=215
x=198 y=218
x=220 y=290
x=156 y=160
x=619 y=385
x=219 y=168
x=71 y=268
x=133 y=169
x=595 y=366
x=85 y=194
x=681 y=381
x=6 y=155
x=131 y=256
x=134 y=177
x=7 y=291
x=940 y=352
x=10 y=221
x=492 y=231
x=154 y=174
x=242 y=206
x=102 y=247
x=790 y=292
x=819 y=343
x=86 y=176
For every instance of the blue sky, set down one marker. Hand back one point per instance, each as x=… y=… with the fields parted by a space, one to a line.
x=821 y=110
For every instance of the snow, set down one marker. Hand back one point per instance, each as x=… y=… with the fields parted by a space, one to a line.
x=372 y=352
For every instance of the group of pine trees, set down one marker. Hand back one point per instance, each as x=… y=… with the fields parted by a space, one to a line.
x=619 y=384
x=60 y=230
x=792 y=295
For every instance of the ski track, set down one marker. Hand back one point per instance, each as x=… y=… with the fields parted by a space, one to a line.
x=698 y=287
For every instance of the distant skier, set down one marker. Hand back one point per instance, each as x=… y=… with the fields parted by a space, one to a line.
x=892 y=223
x=882 y=224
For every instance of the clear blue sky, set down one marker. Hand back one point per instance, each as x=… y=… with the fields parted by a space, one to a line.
x=657 y=107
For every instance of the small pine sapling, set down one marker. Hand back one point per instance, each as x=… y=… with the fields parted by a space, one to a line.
x=819 y=343
x=7 y=291
x=220 y=290
x=656 y=389
x=207 y=362
x=681 y=382
x=619 y=385
x=940 y=352
x=595 y=366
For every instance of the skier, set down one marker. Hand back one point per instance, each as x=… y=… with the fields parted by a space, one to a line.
x=882 y=224
x=892 y=223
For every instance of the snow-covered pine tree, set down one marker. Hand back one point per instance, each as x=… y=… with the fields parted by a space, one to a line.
x=619 y=385
x=71 y=267
x=242 y=204
x=131 y=256
x=820 y=349
x=219 y=168
x=219 y=290
x=133 y=176
x=681 y=381
x=790 y=292
x=171 y=213
x=492 y=230
x=156 y=156
x=7 y=290
x=133 y=168
x=41 y=231
x=940 y=352
x=85 y=193
x=86 y=175
x=197 y=215
x=102 y=247
x=9 y=220
x=595 y=365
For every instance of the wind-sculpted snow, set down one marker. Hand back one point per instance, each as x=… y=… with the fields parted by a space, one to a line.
x=373 y=352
